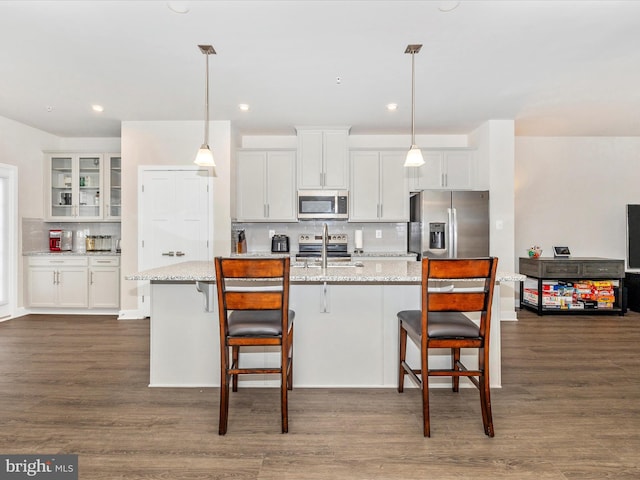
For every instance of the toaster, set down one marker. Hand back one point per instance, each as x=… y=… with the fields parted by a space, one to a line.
x=280 y=244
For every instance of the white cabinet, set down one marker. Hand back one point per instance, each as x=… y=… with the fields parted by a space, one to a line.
x=266 y=189
x=104 y=282
x=72 y=187
x=82 y=187
x=379 y=186
x=57 y=282
x=112 y=187
x=323 y=158
x=450 y=169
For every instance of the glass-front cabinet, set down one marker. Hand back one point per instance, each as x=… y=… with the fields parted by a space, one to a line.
x=113 y=186
x=75 y=182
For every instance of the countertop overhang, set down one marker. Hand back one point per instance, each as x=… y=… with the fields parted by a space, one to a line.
x=371 y=271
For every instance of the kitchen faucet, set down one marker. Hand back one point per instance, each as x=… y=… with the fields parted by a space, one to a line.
x=325 y=241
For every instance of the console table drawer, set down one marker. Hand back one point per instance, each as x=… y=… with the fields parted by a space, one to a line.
x=561 y=268
x=603 y=269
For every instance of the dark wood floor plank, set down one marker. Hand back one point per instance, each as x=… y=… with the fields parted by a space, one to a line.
x=569 y=409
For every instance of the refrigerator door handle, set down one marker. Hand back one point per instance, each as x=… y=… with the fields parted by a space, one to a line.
x=450 y=241
x=454 y=249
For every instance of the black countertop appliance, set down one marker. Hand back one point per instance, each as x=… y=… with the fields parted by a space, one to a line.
x=280 y=244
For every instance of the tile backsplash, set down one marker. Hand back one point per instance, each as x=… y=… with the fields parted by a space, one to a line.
x=393 y=236
x=35 y=232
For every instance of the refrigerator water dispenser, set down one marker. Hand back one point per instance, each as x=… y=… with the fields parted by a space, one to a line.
x=436 y=235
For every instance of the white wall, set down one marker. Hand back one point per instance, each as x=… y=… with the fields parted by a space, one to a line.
x=573 y=191
x=169 y=143
x=494 y=141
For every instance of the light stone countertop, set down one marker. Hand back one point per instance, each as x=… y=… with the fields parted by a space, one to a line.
x=388 y=271
x=48 y=253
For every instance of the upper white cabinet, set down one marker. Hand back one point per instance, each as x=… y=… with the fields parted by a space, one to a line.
x=72 y=187
x=113 y=187
x=266 y=188
x=450 y=169
x=82 y=187
x=323 y=158
x=379 y=185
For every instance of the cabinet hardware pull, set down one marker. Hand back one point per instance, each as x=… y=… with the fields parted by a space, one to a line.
x=91 y=279
x=324 y=298
x=180 y=254
x=168 y=254
x=54 y=277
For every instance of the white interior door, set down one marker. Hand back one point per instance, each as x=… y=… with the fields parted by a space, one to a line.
x=175 y=217
x=8 y=240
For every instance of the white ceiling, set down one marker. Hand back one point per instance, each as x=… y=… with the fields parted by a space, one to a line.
x=556 y=67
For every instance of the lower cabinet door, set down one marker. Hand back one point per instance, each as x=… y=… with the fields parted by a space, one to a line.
x=42 y=288
x=104 y=287
x=72 y=287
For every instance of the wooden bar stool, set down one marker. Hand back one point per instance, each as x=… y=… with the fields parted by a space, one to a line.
x=442 y=323
x=253 y=304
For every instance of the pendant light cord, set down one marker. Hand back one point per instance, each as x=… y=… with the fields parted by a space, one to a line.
x=206 y=102
x=413 y=99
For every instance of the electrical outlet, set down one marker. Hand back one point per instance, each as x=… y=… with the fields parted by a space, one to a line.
x=271 y=233
x=378 y=233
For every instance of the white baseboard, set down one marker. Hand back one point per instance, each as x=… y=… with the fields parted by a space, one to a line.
x=131 y=315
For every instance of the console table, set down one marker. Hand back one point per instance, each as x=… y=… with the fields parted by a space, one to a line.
x=550 y=282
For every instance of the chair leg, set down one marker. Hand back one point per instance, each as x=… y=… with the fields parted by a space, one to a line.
x=424 y=360
x=284 y=386
x=403 y=355
x=235 y=359
x=485 y=392
x=224 y=391
x=455 y=358
x=290 y=374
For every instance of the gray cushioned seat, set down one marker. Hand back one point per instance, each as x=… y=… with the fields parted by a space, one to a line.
x=441 y=324
x=265 y=323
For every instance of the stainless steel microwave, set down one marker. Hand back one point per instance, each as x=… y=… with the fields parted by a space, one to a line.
x=323 y=204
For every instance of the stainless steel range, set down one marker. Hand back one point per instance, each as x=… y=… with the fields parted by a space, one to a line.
x=310 y=246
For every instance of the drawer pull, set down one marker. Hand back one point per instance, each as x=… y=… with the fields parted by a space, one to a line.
x=168 y=254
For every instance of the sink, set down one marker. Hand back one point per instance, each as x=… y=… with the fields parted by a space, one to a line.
x=339 y=264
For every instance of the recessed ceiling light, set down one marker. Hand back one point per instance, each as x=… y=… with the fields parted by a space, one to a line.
x=97 y=108
x=244 y=107
x=448 y=5
x=178 y=7
x=392 y=106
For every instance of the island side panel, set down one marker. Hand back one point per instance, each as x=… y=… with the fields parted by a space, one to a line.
x=184 y=349
x=339 y=339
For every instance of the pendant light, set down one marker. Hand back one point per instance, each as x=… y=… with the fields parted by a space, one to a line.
x=204 y=158
x=414 y=155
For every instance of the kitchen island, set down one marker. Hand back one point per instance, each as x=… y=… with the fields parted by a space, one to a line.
x=346 y=329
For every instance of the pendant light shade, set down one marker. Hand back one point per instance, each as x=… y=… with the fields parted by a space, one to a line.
x=204 y=158
x=414 y=155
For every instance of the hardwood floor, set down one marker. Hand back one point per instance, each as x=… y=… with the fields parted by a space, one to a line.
x=569 y=409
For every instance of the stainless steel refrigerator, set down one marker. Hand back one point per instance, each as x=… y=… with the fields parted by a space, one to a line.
x=449 y=224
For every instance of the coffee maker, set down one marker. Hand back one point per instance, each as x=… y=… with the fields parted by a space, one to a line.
x=55 y=240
